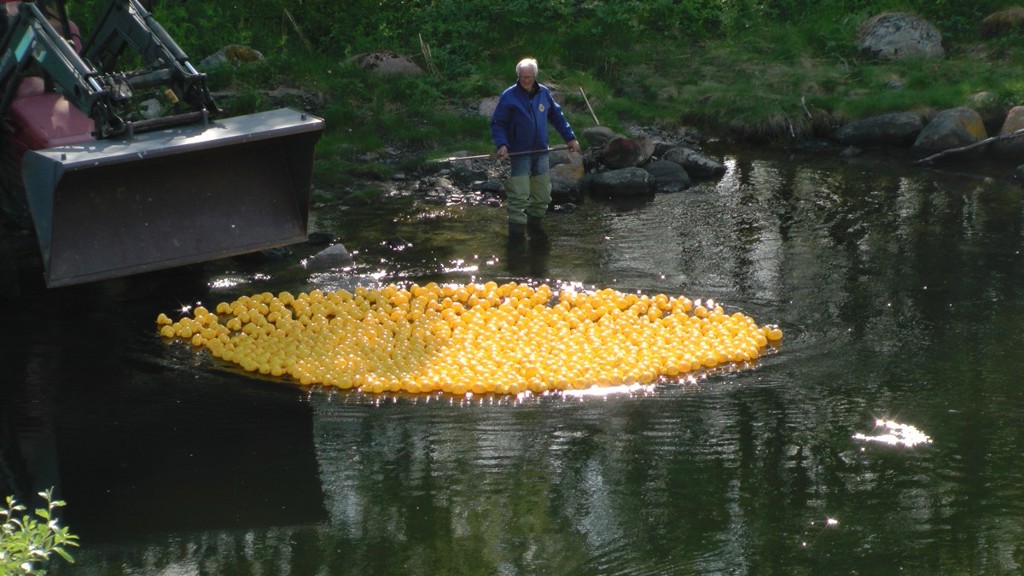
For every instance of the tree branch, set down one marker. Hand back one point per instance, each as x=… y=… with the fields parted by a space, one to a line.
x=978 y=144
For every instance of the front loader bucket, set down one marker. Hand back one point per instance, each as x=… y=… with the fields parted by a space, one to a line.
x=177 y=196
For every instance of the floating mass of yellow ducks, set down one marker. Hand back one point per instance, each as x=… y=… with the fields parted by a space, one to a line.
x=473 y=338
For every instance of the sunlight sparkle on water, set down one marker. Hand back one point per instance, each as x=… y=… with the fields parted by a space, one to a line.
x=227 y=282
x=460 y=266
x=604 y=391
x=895 y=434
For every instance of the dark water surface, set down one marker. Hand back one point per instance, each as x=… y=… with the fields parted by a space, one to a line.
x=900 y=291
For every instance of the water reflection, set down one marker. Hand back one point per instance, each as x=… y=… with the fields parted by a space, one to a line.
x=528 y=257
x=899 y=292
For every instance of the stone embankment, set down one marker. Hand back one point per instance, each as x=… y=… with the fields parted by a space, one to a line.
x=648 y=162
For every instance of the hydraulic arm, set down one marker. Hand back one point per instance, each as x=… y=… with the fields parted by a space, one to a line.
x=127 y=23
x=90 y=81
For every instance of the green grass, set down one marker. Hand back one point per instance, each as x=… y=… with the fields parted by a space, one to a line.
x=774 y=83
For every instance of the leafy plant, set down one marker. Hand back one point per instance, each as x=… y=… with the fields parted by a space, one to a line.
x=27 y=542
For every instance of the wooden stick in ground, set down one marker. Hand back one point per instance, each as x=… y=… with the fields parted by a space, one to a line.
x=594 y=116
x=427 y=57
x=295 y=25
x=978 y=144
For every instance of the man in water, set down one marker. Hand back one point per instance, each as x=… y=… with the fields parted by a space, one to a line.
x=519 y=127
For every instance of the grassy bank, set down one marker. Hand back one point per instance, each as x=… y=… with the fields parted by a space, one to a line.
x=728 y=89
x=774 y=71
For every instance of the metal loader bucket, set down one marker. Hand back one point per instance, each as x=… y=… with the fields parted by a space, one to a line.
x=176 y=196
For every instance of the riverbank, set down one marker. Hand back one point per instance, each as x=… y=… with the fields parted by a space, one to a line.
x=787 y=86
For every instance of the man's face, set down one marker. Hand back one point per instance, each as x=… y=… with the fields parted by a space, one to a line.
x=527 y=77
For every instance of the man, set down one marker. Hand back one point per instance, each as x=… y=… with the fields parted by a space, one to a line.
x=520 y=132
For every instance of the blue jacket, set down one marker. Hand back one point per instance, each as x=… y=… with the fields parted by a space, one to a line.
x=520 y=119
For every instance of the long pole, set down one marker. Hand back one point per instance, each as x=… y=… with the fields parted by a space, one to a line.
x=482 y=156
x=585 y=99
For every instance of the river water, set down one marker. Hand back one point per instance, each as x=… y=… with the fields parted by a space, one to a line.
x=883 y=436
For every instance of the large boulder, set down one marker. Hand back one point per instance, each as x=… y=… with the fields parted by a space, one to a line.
x=464 y=173
x=896 y=129
x=388 y=63
x=1003 y=22
x=597 y=135
x=953 y=128
x=1011 y=148
x=566 y=176
x=330 y=258
x=564 y=156
x=233 y=54
x=622 y=152
x=899 y=36
x=695 y=163
x=668 y=176
x=486 y=106
x=623 y=182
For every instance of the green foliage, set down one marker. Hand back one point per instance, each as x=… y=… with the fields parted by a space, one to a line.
x=27 y=542
x=246 y=103
x=596 y=34
x=366 y=195
x=713 y=63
